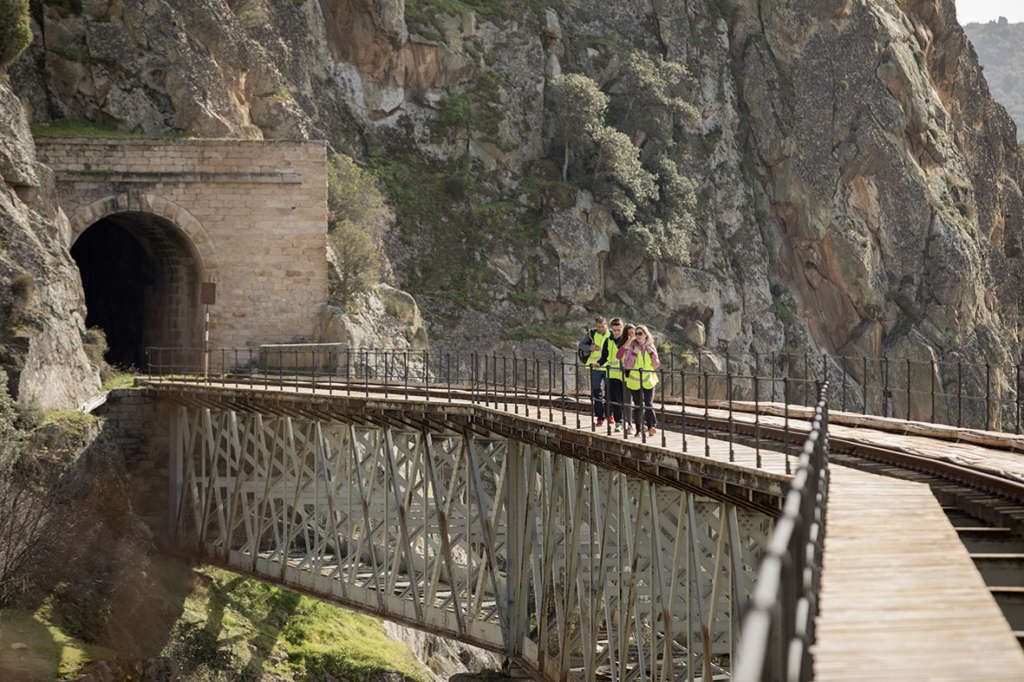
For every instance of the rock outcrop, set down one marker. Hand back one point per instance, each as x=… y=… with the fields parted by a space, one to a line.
x=1000 y=48
x=42 y=308
x=858 y=190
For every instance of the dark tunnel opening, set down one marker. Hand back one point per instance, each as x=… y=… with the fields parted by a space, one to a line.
x=140 y=277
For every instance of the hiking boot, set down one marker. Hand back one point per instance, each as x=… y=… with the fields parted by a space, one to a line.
x=611 y=420
x=617 y=425
x=652 y=431
x=600 y=423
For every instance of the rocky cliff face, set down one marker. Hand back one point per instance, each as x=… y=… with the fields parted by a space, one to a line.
x=1000 y=48
x=42 y=309
x=859 y=192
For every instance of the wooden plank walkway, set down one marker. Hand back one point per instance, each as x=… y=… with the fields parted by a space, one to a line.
x=1002 y=456
x=900 y=597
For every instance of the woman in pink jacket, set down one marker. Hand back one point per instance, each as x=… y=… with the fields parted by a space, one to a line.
x=639 y=361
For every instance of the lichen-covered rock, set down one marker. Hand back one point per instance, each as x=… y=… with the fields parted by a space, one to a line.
x=855 y=181
x=155 y=67
x=42 y=307
x=383 y=317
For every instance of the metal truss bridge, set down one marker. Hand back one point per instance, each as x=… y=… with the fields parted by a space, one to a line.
x=503 y=517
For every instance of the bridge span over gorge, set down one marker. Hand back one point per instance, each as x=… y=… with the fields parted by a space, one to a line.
x=747 y=540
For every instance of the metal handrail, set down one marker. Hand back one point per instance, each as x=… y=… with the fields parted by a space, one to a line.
x=901 y=390
x=778 y=629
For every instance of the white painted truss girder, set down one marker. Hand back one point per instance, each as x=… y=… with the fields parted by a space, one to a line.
x=575 y=570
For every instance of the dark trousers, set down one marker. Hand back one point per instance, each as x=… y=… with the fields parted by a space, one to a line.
x=615 y=398
x=597 y=392
x=643 y=397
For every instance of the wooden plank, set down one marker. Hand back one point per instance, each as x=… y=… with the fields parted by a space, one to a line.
x=900 y=597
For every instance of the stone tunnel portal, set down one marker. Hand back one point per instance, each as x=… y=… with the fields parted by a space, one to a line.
x=141 y=278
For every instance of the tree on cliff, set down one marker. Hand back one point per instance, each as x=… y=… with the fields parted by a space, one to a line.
x=644 y=187
x=15 y=30
x=357 y=219
x=581 y=108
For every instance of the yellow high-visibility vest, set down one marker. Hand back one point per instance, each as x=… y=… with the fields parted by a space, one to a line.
x=614 y=365
x=595 y=355
x=645 y=362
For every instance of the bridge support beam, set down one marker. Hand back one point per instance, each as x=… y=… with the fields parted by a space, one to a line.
x=572 y=570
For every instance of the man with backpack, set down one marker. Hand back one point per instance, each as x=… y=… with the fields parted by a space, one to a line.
x=593 y=351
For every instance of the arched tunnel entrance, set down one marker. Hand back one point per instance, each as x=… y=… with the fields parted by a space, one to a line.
x=141 y=278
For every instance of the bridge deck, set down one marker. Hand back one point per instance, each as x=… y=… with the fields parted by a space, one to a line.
x=900 y=597
x=1001 y=454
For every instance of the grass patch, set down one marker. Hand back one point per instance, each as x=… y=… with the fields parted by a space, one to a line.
x=119 y=380
x=33 y=648
x=218 y=625
x=68 y=418
x=231 y=617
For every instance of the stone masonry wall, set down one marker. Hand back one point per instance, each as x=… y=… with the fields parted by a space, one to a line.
x=135 y=430
x=255 y=213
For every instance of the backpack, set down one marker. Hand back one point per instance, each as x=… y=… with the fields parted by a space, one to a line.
x=584 y=355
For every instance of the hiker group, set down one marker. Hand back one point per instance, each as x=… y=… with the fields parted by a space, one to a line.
x=621 y=356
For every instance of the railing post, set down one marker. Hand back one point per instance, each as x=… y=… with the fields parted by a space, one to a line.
x=551 y=391
x=671 y=374
x=515 y=385
x=807 y=376
x=561 y=376
x=662 y=424
x=536 y=377
x=348 y=370
x=842 y=364
x=773 y=376
x=526 y=385
x=576 y=385
x=785 y=448
x=757 y=423
x=885 y=386
x=931 y=379
x=315 y=358
x=864 y=386
x=988 y=395
x=504 y=381
x=700 y=370
x=366 y=371
x=1018 y=398
x=908 y=389
x=643 y=409
x=448 y=373
x=707 y=418
x=426 y=374
x=682 y=405
x=959 y=392
x=728 y=395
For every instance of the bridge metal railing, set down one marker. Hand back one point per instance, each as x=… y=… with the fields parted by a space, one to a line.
x=778 y=629
x=932 y=391
x=553 y=388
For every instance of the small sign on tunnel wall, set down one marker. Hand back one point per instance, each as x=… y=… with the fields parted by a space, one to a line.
x=208 y=293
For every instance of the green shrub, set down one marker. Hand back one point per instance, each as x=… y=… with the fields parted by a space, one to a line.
x=358 y=218
x=357 y=260
x=15 y=30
